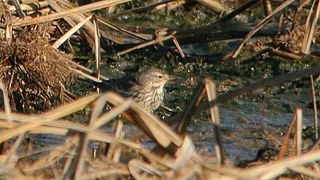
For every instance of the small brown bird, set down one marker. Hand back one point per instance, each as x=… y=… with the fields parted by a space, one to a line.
x=147 y=88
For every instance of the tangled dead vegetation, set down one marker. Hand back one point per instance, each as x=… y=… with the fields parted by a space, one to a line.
x=32 y=70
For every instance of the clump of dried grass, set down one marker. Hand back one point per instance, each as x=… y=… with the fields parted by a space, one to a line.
x=32 y=70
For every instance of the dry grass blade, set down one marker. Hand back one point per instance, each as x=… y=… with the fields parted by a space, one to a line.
x=211 y=93
x=8 y=32
x=302 y=4
x=5 y=99
x=139 y=170
x=36 y=121
x=82 y=74
x=40 y=130
x=310 y=29
x=115 y=170
x=285 y=143
x=78 y=162
x=58 y=127
x=237 y=11
x=114 y=151
x=120 y=29
x=315 y=146
x=54 y=155
x=212 y=5
x=88 y=29
x=145 y=44
x=97 y=47
x=183 y=154
x=185 y=117
x=306 y=171
x=12 y=152
x=267 y=7
x=105 y=118
x=77 y=167
x=97 y=109
x=299 y=131
x=315 y=109
x=66 y=168
x=67 y=35
x=273 y=170
x=176 y=43
x=260 y=25
x=284 y=54
x=81 y=9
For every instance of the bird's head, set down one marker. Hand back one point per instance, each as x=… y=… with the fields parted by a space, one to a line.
x=154 y=78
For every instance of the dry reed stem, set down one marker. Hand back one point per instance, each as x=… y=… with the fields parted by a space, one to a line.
x=214 y=112
x=267 y=7
x=85 y=137
x=273 y=170
x=185 y=118
x=284 y=54
x=97 y=52
x=106 y=117
x=81 y=9
x=237 y=11
x=67 y=35
x=305 y=171
x=310 y=28
x=75 y=19
x=115 y=27
x=114 y=170
x=46 y=117
x=54 y=155
x=114 y=151
x=139 y=169
x=314 y=107
x=285 y=143
x=169 y=5
x=39 y=130
x=214 y=6
x=298 y=131
x=6 y=101
x=176 y=43
x=11 y=154
x=149 y=43
x=97 y=135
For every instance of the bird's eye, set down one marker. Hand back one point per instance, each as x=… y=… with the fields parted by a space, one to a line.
x=160 y=76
